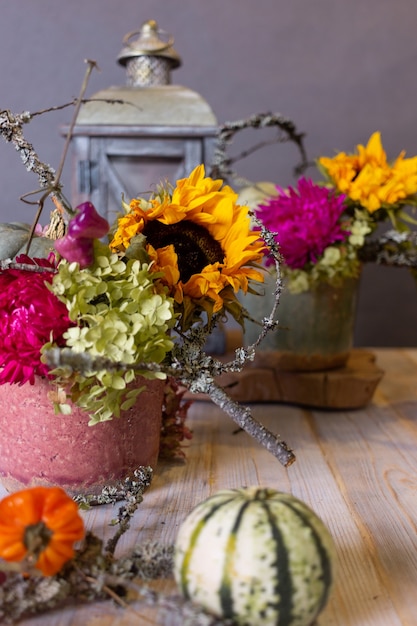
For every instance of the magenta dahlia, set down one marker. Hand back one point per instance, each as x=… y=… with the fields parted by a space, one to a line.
x=30 y=316
x=307 y=220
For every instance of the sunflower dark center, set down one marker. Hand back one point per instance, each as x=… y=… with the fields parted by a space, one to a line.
x=193 y=244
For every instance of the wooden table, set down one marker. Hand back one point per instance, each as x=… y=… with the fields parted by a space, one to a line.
x=356 y=469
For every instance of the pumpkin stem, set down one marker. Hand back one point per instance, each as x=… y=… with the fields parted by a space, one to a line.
x=36 y=538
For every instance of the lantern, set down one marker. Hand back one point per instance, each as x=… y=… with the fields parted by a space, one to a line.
x=128 y=138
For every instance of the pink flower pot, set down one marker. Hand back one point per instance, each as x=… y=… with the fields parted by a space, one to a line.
x=38 y=447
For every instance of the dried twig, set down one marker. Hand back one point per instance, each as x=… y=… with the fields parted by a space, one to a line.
x=127 y=511
x=8 y=264
x=92 y=577
x=394 y=248
x=11 y=128
x=87 y=578
x=11 y=131
x=133 y=485
x=287 y=132
x=244 y=419
x=54 y=189
x=66 y=105
x=90 y=66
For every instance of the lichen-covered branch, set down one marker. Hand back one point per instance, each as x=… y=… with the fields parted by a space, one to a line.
x=133 y=485
x=84 y=362
x=9 y=264
x=395 y=248
x=133 y=497
x=11 y=129
x=268 y=323
x=92 y=577
x=84 y=579
x=286 y=132
x=243 y=417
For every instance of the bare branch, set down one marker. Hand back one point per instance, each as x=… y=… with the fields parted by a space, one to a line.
x=8 y=264
x=90 y=66
x=11 y=131
x=243 y=417
x=287 y=132
x=393 y=248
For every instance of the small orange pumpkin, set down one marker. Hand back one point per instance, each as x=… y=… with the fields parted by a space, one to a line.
x=40 y=526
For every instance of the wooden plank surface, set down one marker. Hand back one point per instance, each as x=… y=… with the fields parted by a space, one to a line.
x=356 y=469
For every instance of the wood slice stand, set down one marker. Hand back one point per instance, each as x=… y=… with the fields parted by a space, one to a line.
x=348 y=387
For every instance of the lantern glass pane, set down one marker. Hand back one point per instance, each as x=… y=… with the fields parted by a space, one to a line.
x=138 y=176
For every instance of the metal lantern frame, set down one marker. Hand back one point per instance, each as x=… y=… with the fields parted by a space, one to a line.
x=96 y=148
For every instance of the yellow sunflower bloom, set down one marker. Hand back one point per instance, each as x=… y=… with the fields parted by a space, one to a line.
x=368 y=179
x=165 y=260
x=198 y=237
x=373 y=153
x=209 y=283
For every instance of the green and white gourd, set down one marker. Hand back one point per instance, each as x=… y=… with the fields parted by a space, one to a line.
x=255 y=556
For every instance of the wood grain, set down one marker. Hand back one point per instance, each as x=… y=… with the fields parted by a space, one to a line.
x=357 y=469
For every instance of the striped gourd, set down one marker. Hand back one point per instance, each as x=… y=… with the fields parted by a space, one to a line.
x=256 y=556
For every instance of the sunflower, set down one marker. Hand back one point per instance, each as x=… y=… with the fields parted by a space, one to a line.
x=367 y=177
x=199 y=238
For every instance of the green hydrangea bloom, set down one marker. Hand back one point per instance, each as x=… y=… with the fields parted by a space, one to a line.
x=120 y=312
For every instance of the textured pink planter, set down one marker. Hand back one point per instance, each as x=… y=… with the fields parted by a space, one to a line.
x=38 y=447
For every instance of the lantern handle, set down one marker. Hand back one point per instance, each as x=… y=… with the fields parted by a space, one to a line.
x=159 y=31
x=151 y=41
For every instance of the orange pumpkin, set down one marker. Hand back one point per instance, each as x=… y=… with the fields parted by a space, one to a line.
x=40 y=526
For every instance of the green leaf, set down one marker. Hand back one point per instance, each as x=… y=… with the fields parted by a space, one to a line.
x=127 y=404
x=63 y=409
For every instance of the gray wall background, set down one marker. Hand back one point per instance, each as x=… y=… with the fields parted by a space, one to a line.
x=340 y=69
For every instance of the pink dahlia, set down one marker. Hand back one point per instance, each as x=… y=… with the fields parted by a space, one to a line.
x=30 y=316
x=306 y=220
